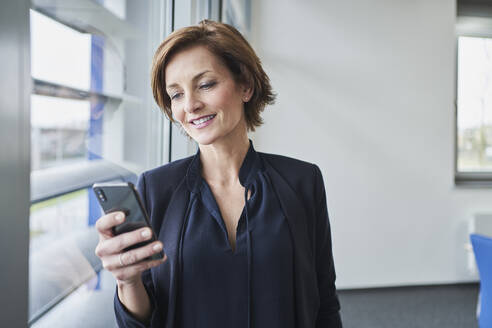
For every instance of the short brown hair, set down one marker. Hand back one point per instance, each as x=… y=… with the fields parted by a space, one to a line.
x=232 y=49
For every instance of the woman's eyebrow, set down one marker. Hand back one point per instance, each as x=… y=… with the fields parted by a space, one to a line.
x=196 y=77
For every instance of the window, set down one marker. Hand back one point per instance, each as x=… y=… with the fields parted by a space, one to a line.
x=93 y=119
x=474 y=94
x=474 y=101
x=59 y=125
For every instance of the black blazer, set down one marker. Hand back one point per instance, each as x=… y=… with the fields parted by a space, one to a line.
x=300 y=189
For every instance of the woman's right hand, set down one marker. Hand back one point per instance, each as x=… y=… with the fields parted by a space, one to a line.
x=126 y=266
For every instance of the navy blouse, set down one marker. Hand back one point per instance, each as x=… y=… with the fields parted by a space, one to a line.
x=252 y=286
x=280 y=275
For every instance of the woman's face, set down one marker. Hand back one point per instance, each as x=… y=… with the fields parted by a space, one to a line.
x=205 y=99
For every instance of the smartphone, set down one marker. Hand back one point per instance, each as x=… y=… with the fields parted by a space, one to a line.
x=122 y=196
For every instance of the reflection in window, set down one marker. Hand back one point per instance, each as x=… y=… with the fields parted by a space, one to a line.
x=474 y=104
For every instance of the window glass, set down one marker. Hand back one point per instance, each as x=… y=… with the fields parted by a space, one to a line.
x=92 y=120
x=57 y=217
x=59 y=129
x=474 y=104
x=61 y=54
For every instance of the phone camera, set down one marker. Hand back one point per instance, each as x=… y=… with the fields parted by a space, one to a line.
x=100 y=195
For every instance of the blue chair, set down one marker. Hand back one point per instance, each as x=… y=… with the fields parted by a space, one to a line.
x=482 y=247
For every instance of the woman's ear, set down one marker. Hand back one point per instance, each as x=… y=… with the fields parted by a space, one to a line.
x=247 y=93
x=247 y=84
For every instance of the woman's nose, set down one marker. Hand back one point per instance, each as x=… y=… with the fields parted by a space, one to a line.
x=192 y=104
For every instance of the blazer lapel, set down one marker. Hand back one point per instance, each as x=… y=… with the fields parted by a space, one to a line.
x=307 y=297
x=171 y=230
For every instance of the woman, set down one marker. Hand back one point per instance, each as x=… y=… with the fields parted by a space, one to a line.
x=245 y=234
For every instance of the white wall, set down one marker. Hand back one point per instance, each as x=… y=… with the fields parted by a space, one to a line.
x=366 y=91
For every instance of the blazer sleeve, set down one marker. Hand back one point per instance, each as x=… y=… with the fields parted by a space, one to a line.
x=123 y=317
x=328 y=314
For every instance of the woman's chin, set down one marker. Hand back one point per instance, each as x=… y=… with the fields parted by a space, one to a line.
x=204 y=139
x=209 y=136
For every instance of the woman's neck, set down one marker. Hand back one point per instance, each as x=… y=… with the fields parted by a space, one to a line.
x=222 y=160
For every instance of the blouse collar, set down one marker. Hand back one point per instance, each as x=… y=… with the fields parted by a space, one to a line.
x=249 y=168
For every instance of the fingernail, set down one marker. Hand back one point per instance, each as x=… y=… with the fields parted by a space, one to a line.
x=146 y=233
x=157 y=247
x=119 y=217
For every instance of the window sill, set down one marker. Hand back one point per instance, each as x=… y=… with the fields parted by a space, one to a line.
x=473 y=179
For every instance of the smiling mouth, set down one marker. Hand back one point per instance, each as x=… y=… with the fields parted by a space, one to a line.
x=203 y=119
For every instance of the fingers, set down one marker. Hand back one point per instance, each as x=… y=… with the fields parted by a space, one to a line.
x=108 y=221
x=131 y=271
x=117 y=261
x=125 y=266
x=118 y=243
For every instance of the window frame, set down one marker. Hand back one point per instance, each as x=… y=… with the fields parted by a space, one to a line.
x=473 y=179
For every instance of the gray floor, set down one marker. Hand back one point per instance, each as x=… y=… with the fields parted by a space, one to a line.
x=449 y=306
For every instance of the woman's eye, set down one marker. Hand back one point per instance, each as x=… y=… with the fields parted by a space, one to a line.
x=207 y=85
x=175 y=96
